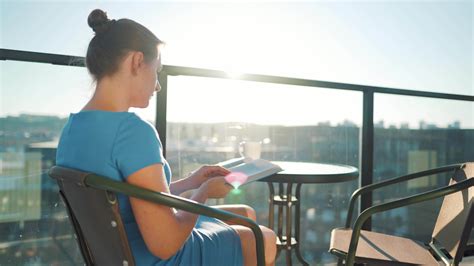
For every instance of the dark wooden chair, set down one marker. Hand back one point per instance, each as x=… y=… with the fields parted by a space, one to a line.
x=94 y=213
x=449 y=237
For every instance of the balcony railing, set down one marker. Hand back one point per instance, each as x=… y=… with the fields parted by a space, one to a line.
x=366 y=142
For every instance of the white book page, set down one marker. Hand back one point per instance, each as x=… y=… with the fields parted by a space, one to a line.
x=254 y=167
x=245 y=171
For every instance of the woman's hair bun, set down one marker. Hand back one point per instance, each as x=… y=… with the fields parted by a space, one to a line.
x=98 y=21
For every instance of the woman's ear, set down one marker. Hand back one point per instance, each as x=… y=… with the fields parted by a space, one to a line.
x=137 y=62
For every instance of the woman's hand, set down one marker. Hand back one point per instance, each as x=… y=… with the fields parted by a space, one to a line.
x=204 y=173
x=216 y=187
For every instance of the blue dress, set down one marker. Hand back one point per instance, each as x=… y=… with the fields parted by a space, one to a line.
x=117 y=144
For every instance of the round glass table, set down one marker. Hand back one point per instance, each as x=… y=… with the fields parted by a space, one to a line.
x=298 y=173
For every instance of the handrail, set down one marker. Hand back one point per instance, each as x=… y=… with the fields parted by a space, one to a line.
x=168 y=70
x=436 y=193
x=70 y=60
x=35 y=57
x=391 y=181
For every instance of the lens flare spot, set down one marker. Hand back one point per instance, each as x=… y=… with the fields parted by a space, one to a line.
x=236 y=191
x=236 y=179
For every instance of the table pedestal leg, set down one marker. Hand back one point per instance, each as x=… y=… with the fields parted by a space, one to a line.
x=285 y=202
x=271 y=212
x=280 y=212
x=271 y=208
x=297 y=225
x=289 y=215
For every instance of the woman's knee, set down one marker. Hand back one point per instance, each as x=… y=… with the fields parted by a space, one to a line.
x=247 y=239
x=250 y=212
x=269 y=238
x=240 y=209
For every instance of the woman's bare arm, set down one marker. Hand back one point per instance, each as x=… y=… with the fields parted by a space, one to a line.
x=164 y=229
x=180 y=186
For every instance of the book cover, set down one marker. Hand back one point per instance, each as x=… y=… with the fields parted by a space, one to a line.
x=246 y=170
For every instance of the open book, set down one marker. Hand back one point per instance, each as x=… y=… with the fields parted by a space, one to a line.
x=246 y=170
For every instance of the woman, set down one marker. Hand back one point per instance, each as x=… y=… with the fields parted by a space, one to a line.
x=104 y=138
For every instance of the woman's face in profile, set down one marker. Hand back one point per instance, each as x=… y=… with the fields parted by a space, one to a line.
x=149 y=84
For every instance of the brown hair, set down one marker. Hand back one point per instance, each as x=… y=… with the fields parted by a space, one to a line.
x=113 y=39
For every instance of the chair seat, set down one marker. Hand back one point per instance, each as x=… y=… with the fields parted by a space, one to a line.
x=382 y=249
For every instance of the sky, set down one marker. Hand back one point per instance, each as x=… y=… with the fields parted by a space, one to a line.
x=418 y=45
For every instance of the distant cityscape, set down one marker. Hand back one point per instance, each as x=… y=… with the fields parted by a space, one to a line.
x=34 y=227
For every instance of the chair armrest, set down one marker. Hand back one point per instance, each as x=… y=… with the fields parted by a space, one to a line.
x=436 y=193
x=392 y=181
x=99 y=182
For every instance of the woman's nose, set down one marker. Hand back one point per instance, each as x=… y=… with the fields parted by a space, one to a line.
x=157 y=86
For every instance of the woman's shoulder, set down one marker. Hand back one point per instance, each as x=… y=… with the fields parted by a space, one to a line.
x=134 y=127
x=125 y=119
x=100 y=116
x=133 y=121
x=124 y=125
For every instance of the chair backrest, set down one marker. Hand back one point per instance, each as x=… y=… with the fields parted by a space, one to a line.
x=95 y=216
x=456 y=217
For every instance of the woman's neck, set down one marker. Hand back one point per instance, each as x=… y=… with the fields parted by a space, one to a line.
x=110 y=95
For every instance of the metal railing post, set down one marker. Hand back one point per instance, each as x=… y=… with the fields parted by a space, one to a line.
x=366 y=156
x=161 y=100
